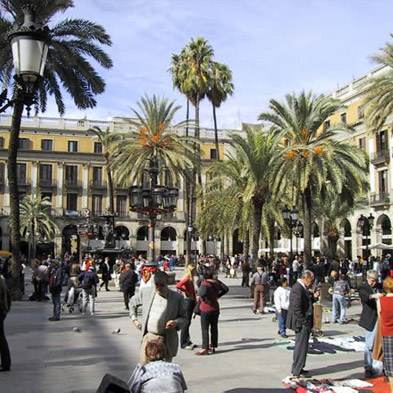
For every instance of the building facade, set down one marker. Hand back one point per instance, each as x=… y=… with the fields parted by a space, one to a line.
x=62 y=159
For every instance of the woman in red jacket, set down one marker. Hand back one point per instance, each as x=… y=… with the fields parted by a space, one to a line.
x=209 y=292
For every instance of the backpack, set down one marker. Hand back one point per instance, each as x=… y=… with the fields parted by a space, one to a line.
x=56 y=280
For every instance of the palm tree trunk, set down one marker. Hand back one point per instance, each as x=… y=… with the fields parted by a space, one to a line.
x=216 y=133
x=110 y=188
x=33 y=246
x=271 y=238
x=188 y=195
x=332 y=247
x=222 y=247
x=187 y=115
x=256 y=227
x=246 y=243
x=307 y=206
x=16 y=266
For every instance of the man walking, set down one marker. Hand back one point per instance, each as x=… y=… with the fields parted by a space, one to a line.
x=128 y=280
x=5 y=305
x=368 y=318
x=300 y=320
x=260 y=280
x=56 y=276
x=106 y=273
x=163 y=314
x=89 y=281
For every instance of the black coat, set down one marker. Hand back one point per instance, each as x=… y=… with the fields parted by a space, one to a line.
x=128 y=281
x=106 y=272
x=368 y=317
x=300 y=310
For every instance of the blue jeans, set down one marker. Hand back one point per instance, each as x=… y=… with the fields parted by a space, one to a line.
x=339 y=303
x=282 y=321
x=56 y=299
x=369 y=364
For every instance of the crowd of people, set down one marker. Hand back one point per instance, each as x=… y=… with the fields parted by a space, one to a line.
x=286 y=284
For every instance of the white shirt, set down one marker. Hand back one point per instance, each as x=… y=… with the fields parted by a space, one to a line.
x=281 y=298
x=295 y=266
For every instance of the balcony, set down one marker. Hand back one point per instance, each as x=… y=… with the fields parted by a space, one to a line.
x=23 y=185
x=73 y=184
x=47 y=183
x=121 y=190
x=380 y=157
x=72 y=213
x=381 y=199
x=98 y=186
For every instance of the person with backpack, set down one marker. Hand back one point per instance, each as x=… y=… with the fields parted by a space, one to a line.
x=5 y=305
x=56 y=276
x=209 y=292
x=89 y=281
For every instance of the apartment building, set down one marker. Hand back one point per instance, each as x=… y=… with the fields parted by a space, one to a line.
x=63 y=160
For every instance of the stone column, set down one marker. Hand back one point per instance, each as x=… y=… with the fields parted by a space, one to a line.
x=60 y=187
x=85 y=186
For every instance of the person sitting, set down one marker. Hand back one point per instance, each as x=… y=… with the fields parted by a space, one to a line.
x=157 y=375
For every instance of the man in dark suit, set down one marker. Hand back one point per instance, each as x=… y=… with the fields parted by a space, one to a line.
x=300 y=320
x=368 y=295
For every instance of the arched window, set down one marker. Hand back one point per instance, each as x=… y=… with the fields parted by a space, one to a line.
x=142 y=233
x=168 y=234
x=122 y=233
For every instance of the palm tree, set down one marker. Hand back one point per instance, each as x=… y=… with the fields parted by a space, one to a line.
x=153 y=136
x=72 y=43
x=107 y=138
x=259 y=151
x=314 y=156
x=220 y=87
x=36 y=220
x=379 y=92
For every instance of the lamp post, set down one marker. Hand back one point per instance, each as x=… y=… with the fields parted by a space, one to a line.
x=29 y=45
x=366 y=224
x=298 y=230
x=290 y=218
x=153 y=202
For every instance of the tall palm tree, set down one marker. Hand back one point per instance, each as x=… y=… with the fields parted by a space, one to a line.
x=36 y=221
x=314 y=156
x=220 y=87
x=107 y=138
x=379 y=92
x=72 y=44
x=153 y=136
x=259 y=151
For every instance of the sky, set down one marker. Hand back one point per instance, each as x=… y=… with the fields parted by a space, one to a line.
x=273 y=47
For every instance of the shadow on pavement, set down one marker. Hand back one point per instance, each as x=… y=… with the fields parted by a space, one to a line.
x=337 y=368
x=253 y=390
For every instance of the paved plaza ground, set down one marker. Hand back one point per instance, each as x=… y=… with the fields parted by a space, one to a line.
x=48 y=357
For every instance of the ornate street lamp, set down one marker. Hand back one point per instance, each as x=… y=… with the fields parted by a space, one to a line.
x=153 y=202
x=366 y=224
x=290 y=218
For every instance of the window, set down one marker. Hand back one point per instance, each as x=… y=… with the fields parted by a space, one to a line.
x=382 y=142
x=21 y=173
x=1 y=142
x=326 y=125
x=71 y=174
x=361 y=112
x=343 y=118
x=383 y=182
x=97 y=176
x=362 y=143
x=24 y=144
x=96 y=206
x=45 y=174
x=98 y=147
x=121 y=205
x=72 y=146
x=46 y=144
x=72 y=201
x=213 y=154
x=2 y=172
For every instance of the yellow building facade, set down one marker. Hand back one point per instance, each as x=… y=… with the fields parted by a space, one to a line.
x=62 y=159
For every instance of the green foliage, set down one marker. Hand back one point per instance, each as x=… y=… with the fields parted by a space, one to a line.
x=152 y=135
x=35 y=217
x=73 y=43
x=220 y=84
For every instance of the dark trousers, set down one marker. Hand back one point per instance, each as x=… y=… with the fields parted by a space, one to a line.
x=105 y=282
x=209 y=319
x=185 y=331
x=56 y=300
x=245 y=280
x=128 y=294
x=4 y=350
x=301 y=348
